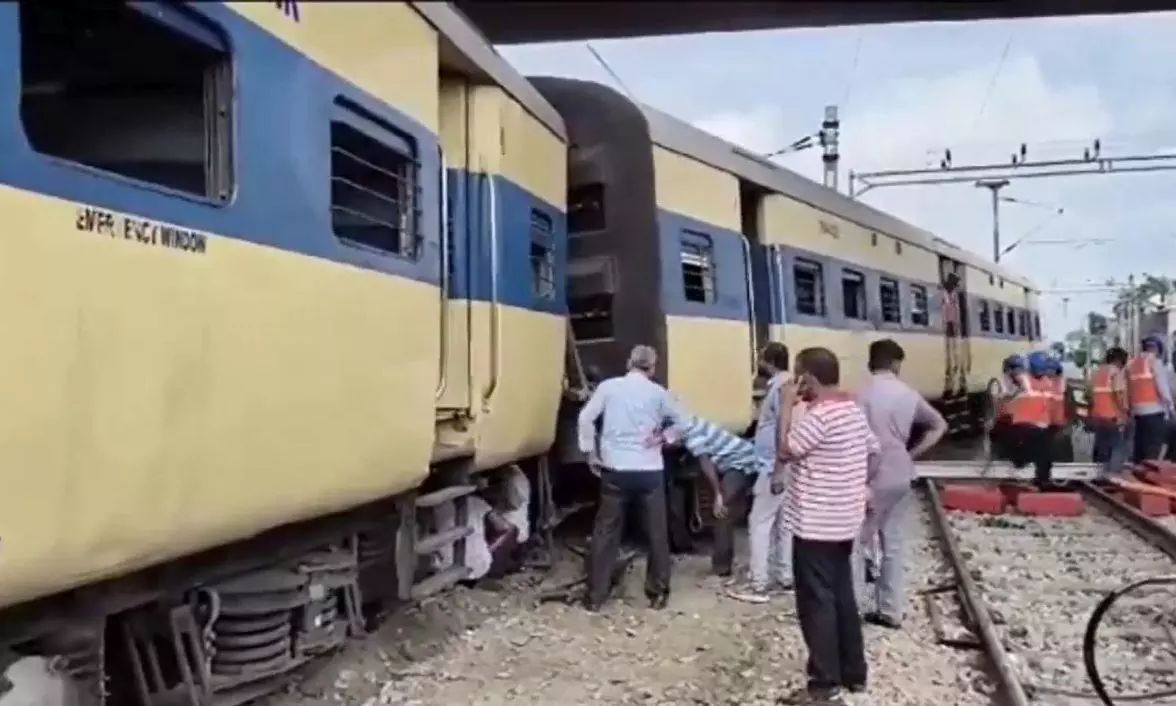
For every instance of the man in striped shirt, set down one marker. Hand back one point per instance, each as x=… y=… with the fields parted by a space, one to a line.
x=822 y=468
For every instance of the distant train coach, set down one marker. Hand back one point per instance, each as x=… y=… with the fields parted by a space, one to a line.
x=709 y=252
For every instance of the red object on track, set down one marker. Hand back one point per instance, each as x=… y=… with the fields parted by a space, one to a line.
x=973 y=498
x=1050 y=504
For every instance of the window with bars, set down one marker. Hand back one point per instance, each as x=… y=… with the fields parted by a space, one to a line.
x=920 y=309
x=1012 y=321
x=998 y=318
x=891 y=304
x=808 y=278
x=853 y=294
x=985 y=316
x=542 y=255
x=698 y=267
x=374 y=187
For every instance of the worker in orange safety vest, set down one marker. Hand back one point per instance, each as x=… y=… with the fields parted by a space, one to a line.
x=1059 y=437
x=1150 y=395
x=1004 y=389
x=1029 y=418
x=1108 y=413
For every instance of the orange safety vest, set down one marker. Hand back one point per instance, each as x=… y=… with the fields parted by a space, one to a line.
x=1103 y=403
x=1057 y=402
x=1141 y=384
x=1031 y=406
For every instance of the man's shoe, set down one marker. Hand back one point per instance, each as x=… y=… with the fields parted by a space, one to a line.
x=812 y=697
x=659 y=602
x=856 y=688
x=882 y=621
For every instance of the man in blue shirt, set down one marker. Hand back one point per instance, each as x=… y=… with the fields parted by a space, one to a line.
x=633 y=410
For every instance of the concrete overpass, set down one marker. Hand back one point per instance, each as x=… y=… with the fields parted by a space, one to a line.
x=525 y=22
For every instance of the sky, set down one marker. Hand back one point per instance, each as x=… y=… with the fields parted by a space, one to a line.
x=907 y=92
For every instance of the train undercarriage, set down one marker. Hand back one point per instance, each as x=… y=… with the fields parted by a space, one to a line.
x=230 y=625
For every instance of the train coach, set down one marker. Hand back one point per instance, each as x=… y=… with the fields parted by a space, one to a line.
x=283 y=277
x=708 y=251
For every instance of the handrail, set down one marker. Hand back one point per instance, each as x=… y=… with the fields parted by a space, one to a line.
x=495 y=324
x=778 y=256
x=443 y=378
x=750 y=278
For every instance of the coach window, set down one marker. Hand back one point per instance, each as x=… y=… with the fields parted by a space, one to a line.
x=808 y=279
x=160 y=113
x=542 y=255
x=586 y=209
x=889 y=297
x=1012 y=320
x=920 y=314
x=374 y=185
x=853 y=294
x=998 y=318
x=985 y=316
x=698 y=267
x=1036 y=327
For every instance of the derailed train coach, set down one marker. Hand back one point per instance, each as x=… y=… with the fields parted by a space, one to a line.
x=285 y=277
x=707 y=251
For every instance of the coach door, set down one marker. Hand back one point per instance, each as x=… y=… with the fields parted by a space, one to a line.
x=458 y=217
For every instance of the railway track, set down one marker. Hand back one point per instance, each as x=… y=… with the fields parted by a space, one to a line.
x=1029 y=585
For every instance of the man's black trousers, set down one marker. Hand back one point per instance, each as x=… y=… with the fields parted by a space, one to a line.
x=828 y=613
x=618 y=488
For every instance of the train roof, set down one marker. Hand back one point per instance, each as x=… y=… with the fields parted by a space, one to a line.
x=679 y=136
x=476 y=57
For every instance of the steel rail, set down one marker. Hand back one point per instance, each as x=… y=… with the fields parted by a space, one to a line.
x=974 y=606
x=1145 y=527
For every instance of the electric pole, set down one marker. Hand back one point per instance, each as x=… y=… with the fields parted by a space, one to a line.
x=994 y=185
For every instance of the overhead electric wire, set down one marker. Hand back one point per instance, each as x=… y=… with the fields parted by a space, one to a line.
x=1004 y=54
x=849 y=79
x=608 y=69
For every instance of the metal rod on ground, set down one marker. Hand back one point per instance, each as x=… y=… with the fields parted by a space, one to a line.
x=974 y=606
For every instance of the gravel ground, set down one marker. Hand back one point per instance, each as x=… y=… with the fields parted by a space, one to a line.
x=491 y=647
x=1041 y=578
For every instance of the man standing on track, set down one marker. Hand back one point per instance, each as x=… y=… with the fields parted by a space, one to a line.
x=1150 y=394
x=822 y=470
x=1029 y=417
x=892 y=409
x=634 y=410
x=769 y=545
x=1108 y=410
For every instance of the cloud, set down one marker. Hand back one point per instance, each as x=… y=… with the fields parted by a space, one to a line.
x=906 y=122
x=917 y=89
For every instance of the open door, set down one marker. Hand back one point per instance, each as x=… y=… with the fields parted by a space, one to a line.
x=459 y=216
x=957 y=349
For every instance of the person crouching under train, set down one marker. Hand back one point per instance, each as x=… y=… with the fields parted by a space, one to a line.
x=1029 y=420
x=1107 y=416
x=1150 y=395
x=633 y=409
x=498 y=517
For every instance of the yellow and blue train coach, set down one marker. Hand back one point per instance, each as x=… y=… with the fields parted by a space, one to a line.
x=681 y=239
x=269 y=266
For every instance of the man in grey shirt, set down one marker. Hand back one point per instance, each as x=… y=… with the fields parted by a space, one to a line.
x=892 y=408
x=773 y=362
x=634 y=409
